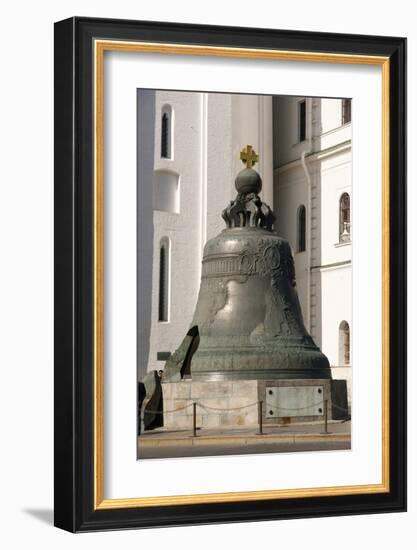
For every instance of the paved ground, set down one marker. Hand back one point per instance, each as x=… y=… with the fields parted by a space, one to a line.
x=277 y=439
x=221 y=450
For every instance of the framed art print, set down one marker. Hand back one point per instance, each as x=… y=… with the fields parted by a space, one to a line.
x=230 y=318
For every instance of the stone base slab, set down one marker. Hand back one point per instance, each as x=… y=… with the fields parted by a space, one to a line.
x=236 y=403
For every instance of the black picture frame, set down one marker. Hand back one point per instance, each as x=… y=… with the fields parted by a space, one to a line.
x=74 y=283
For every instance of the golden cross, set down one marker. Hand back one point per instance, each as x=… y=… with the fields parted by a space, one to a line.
x=248 y=156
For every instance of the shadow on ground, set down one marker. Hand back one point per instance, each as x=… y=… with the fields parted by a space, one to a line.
x=45 y=515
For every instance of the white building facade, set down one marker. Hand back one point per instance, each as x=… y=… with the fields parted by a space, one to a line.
x=312 y=197
x=188 y=158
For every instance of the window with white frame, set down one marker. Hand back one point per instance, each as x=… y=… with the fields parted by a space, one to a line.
x=344 y=218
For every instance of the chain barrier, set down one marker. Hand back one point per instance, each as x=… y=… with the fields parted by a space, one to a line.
x=208 y=407
x=259 y=404
x=271 y=406
x=169 y=412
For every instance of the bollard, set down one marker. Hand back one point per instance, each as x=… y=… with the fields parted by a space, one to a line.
x=194 y=419
x=325 y=417
x=260 y=403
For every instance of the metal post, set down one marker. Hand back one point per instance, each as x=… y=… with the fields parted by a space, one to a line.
x=325 y=417
x=260 y=403
x=194 y=419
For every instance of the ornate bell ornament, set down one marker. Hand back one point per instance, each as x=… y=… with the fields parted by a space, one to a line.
x=247 y=322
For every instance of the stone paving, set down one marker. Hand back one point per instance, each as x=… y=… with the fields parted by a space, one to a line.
x=307 y=432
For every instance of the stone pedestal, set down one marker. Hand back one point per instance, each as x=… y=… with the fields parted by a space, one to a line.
x=235 y=403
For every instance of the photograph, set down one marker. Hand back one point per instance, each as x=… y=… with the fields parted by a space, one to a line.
x=244 y=273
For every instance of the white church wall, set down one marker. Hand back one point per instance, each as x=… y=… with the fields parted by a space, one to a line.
x=316 y=304
x=266 y=161
x=252 y=124
x=166 y=191
x=336 y=307
x=325 y=293
x=182 y=225
x=335 y=137
x=332 y=131
x=234 y=121
x=290 y=192
x=145 y=225
x=179 y=222
x=220 y=164
x=188 y=191
x=287 y=145
x=331 y=114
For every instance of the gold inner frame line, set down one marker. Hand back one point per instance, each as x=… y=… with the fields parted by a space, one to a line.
x=100 y=46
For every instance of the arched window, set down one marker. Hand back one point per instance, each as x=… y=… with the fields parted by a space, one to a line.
x=164 y=280
x=344 y=218
x=166 y=132
x=344 y=344
x=301 y=228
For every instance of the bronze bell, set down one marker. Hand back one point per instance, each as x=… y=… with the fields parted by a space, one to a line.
x=248 y=322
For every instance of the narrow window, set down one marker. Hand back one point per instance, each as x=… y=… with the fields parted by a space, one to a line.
x=344 y=218
x=301 y=228
x=344 y=344
x=166 y=133
x=301 y=120
x=163 y=281
x=346 y=110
